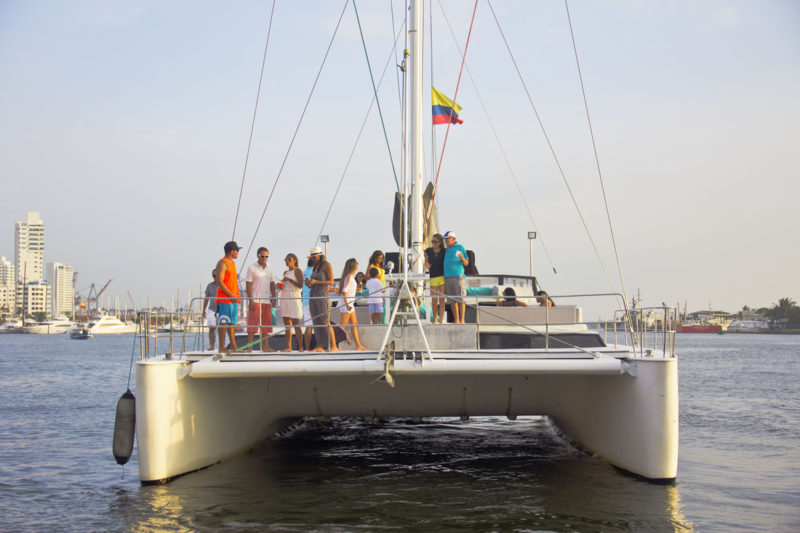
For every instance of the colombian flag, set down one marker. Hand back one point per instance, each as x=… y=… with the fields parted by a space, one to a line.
x=444 y=109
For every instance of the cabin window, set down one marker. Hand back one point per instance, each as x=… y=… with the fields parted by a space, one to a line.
x=511 y=341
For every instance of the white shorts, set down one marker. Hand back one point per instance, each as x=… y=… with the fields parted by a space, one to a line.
x=211 y=318
x=307 y=316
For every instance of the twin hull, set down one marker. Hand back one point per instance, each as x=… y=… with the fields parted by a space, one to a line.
x=191 y=415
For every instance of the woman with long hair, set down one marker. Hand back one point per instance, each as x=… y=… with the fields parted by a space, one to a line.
x=321 y=281
x=376 y=261
x=347 y=299
x=290 y=303
x=434 y=262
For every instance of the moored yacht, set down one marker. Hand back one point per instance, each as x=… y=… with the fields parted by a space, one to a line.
x=52 y=326
x=107 y=325
x=614 y=397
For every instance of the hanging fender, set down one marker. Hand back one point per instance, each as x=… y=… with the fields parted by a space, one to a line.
x=124 y=427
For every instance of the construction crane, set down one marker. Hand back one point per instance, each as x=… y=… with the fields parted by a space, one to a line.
x=93 y=301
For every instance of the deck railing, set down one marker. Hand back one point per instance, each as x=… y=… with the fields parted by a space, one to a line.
x=650 y=331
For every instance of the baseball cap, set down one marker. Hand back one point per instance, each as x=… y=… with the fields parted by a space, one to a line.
x=230 y=246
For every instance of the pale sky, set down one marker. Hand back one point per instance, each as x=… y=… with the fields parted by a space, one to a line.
x=125 y=124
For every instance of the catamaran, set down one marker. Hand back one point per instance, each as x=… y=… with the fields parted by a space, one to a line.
x=613 y=394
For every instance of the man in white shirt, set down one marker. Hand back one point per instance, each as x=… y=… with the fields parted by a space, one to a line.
x=261 y=291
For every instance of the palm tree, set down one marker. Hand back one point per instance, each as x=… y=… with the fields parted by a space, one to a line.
x=782 y=310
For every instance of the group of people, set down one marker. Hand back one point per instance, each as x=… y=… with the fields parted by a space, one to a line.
x=446 y=260
x=302 y=296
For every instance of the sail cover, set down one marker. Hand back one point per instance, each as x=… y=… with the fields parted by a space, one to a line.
x=429 y=226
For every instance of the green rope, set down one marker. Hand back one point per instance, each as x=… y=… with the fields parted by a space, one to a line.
x=375 y=91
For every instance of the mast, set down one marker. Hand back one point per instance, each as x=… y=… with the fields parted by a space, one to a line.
x=415 y=179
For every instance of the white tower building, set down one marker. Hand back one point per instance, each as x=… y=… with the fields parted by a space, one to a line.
x=59 y=276
x=6 y=272
x=7 y=286
x=29 y=248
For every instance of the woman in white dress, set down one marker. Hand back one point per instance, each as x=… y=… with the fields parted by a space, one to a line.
x=347 y=299
x=291 y=304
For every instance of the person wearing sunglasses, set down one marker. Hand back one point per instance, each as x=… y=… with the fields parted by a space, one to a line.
x=434 y=262
x=261 y=292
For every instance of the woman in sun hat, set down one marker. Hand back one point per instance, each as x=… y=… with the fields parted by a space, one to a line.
x=319 y=304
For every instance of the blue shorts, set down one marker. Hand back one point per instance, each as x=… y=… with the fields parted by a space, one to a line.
x=376 y=308
x=227 y=313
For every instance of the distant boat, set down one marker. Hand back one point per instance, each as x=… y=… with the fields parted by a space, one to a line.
x=13 y=327
x=52 y=326
x=700 y=328
x=80 y=333
x=748 y=325
x=107 y=325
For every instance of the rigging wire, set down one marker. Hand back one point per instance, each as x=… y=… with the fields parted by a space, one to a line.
x=358 y=138
x=452 y=110
x=297 y=129
x=433 y=126
x=375 y=91
x=500 y=145
x=253 y=122
x=594 y=147
x=396 y=72
x=553 y=152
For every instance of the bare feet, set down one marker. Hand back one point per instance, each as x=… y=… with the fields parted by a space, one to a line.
x=361 y=348
x=318 y=349
x=287 y=350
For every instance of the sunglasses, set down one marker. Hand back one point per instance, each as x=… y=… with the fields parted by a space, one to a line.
x=263 y=256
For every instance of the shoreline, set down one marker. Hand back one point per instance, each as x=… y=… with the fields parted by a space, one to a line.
x=767 y=332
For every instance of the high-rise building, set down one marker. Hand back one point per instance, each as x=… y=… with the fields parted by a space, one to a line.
x=8 y=290
x=6 y=272
x=29 y=248
x=59 y=277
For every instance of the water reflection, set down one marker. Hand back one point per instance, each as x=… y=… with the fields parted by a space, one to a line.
x=346 y=474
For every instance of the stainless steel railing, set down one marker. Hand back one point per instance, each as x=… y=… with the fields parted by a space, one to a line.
x=650 y=331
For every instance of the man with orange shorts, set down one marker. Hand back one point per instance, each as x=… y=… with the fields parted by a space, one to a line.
x=261 y=290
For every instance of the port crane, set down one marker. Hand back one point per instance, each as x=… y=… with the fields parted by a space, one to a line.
x=93 y=301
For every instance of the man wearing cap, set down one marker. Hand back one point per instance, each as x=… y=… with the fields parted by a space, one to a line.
x=227 y=296
x=260 y=286
x=455 y=288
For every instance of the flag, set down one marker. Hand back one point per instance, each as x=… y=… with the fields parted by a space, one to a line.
x=444 y=109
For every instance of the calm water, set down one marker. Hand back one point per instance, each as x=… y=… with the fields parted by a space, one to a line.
x=739 y=460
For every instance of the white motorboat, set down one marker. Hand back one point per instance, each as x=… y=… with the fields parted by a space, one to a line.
x=52 y=326
x=614 y=397
x=109 y=325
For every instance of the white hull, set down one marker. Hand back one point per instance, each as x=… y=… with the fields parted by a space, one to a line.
x=108 y=325
x=191 y=415
x=50 y=329
x=115 y=331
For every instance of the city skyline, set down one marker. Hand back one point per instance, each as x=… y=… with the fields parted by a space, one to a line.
x=127 y=126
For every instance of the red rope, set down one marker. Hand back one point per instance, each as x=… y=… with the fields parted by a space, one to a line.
x=449 y=123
